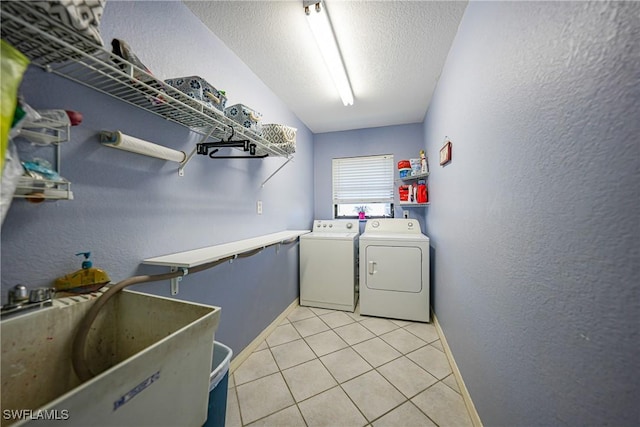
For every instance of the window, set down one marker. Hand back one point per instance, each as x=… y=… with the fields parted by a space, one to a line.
x=363 y=184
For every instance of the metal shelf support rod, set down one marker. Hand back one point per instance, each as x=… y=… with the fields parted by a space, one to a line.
x=276 y=171
x=191 y=154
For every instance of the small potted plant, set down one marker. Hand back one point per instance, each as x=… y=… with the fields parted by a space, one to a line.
x=362 y=211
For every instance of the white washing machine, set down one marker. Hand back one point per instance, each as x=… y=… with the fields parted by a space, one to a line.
x=329 y=265
x=394 y=270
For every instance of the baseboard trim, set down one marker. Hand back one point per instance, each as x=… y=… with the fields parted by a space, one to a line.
x=244 y=354
x=475 y=418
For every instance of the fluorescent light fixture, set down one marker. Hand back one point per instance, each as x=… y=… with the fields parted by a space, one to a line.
x=318 y=20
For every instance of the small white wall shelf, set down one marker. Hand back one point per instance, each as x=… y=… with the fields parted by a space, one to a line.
x=412 y=205
x=414 y=177
x=196 y=257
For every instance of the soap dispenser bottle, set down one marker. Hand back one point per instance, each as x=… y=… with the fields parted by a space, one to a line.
x=87 y=279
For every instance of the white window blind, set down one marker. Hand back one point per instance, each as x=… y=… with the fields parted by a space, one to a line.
x=363 y=179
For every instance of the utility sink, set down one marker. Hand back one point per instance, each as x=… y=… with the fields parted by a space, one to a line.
x=152 y=356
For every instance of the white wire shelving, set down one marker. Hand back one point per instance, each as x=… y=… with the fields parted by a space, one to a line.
x=62 y=51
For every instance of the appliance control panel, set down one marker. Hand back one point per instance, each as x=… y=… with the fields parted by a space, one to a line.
x=336 y=226
x=393 y=225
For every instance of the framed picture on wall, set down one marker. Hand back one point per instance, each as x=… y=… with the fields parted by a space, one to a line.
x=445 y=153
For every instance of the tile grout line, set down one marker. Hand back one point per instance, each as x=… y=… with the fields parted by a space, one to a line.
x=246 y=352
x=335 y=351
x=285 y=383
x=350 y=346
x=406 y=399
x=235 y=390
x=337 y=383
x=282 y=375
x=302 y=338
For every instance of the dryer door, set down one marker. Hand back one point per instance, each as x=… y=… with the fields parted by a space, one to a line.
x=394 y=268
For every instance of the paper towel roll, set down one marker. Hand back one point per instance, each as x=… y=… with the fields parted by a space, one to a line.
x=135 y=145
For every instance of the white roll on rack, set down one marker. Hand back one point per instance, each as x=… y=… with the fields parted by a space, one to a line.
x=121 y=141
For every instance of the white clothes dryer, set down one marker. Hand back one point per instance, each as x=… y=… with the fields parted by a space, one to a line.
x=328 y=265
x=394 y=270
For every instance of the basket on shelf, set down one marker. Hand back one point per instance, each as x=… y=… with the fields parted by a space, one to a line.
x=76 y=23
x=200 y=90
x=246 y=117
x=282 y=136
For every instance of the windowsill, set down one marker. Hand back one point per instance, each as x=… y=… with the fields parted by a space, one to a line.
x=365 y=219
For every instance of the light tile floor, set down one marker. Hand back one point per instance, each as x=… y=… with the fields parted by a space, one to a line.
x=333 y=368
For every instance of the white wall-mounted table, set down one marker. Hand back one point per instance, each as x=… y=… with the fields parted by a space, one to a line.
x=196 y=257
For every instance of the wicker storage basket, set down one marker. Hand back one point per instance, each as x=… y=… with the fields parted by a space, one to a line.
x=283 y=136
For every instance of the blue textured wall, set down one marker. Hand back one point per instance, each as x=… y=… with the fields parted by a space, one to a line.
x=129 y=207
x=403 y=141
x=535 y=222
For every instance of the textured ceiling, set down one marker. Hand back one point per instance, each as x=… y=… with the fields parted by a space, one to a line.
x=394 y=52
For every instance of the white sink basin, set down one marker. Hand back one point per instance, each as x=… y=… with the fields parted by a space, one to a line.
x=152 y=356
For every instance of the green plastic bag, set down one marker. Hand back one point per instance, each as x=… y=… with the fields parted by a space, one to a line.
x=13 y=65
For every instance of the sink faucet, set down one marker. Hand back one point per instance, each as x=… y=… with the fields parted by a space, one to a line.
x=20 y=300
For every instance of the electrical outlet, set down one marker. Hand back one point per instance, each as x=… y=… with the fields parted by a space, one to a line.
x=259 y=207
x=405 y=214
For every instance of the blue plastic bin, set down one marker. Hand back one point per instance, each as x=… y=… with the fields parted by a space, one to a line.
x=218 y=383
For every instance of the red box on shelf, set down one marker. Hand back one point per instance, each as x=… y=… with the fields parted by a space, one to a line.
x=403 y=191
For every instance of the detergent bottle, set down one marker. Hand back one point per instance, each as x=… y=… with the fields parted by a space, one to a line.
x=87 y=279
